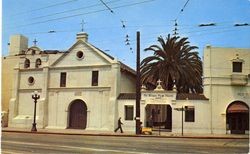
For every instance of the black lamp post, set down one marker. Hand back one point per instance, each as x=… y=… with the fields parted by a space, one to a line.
x=35 y=96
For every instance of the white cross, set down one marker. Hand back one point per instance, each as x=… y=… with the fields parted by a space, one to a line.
x=159 y=82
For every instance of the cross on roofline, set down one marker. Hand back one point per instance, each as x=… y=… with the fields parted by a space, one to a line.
x=35 y=41
x=82 y=24
x=159 y=82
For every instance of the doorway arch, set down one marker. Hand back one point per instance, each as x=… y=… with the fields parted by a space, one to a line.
x=159 y=116
x=237 y=117
x=77 y=114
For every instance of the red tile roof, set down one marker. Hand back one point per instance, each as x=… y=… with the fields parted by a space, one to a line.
x=190 y=96
x=126 y=96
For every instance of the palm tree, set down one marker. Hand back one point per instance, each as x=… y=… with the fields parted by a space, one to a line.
x=175 y=62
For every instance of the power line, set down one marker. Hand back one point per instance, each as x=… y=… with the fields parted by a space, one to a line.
x=175 y=20
x=107 y=6
x=49 y=6
x=80 y=14
x=226 y=27
x=71 y=10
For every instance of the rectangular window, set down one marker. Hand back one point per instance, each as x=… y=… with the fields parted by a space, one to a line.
x=237 y=66
x=129 y=112
x=94 y=78
x=63 y=79
x=189 y=113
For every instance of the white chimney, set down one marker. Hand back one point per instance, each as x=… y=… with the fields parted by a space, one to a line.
x=82 y=36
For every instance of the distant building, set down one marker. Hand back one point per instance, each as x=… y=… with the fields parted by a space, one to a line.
x=85 y=88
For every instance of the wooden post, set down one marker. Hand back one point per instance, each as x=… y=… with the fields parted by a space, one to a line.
x=138 y=85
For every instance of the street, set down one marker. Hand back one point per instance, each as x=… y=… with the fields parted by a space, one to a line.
x=49 y=143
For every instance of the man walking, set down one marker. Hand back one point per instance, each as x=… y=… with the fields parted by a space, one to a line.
x=119 y=125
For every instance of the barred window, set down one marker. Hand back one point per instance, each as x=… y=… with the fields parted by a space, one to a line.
x=129 y=112
x=94 y=78
x=63 y=79
x=237 y=66
x=189 y=114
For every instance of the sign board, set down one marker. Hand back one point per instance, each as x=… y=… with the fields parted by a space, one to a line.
x=157 y=96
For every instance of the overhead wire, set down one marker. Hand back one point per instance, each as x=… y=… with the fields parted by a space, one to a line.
x=45 y=7
x=107 y=6
x=127 y=26
x=72 y=10
x=80 y=14
x=175 y=20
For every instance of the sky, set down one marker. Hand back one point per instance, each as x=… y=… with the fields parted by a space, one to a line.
x=54 y=24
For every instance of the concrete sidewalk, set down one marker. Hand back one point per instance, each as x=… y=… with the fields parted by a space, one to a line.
x=125 y=134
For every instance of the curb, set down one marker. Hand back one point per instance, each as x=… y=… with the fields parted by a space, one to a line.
x=124 y=135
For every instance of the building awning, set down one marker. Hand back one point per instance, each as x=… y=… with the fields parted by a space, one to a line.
x=238 y=107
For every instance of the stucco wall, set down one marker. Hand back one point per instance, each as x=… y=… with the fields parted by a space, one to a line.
x=201 y=123
x=128 y=83
x=128 y=125
x=97 y=101
x=8 y=64
x=81 y=77
x=218 y=84
x=90 y=57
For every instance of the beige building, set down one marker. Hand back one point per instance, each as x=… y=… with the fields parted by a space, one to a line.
x=19 y=44
x=85 y=88
x=80 y=84
x=227 y=85
x=223 y=109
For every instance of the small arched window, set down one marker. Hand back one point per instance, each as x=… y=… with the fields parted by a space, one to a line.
x=38 y=62
x=26 y=63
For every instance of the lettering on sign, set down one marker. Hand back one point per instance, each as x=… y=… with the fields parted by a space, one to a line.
x=158 y=96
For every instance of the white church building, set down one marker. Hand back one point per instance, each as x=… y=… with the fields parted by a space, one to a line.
x=85 y=88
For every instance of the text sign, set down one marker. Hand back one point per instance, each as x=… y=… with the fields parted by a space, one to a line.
x=158 y=96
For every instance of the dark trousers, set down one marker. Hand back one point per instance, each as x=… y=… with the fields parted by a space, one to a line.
x=119 y=127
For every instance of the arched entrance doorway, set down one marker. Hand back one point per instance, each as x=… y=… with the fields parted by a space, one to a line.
x=237 y=117
x=159 y=116
x=77 y=114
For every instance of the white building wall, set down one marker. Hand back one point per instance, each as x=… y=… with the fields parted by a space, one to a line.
x=128 y=125
x=201 y=123
x=127 y=83
x=218 y=85
x=38 y=79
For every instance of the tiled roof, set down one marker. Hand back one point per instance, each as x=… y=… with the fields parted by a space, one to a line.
x=125 y=67
x=180 y=96
x=190 y=96
x=126 y=96
x=53 y=51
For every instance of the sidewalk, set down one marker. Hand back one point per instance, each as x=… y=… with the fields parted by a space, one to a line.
x=125 y=134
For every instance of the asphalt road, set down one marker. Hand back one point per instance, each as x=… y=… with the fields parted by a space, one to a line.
x=17 y=143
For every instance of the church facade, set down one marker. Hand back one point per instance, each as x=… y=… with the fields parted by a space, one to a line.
x=85 y=88
x=78 y=88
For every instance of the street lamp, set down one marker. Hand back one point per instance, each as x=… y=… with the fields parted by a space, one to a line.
x=35 y=96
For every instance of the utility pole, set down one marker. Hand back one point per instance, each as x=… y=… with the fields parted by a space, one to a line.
x=138 y=85
x=182 y=109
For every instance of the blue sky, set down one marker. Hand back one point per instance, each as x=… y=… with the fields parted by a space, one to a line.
x=35 y=18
